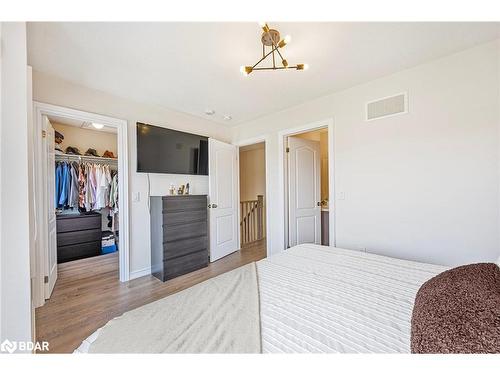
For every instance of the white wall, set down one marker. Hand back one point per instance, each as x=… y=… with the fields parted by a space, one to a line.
x=15 y=297
x=49 y=89
x=252 y=173
x=421 y=186
x=84 y=139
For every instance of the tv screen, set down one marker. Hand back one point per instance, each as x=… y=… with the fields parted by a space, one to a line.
x=162 y=150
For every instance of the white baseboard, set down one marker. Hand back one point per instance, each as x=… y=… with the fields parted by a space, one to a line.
x=139 y=273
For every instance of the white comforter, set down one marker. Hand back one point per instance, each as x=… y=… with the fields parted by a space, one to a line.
x=323 y=299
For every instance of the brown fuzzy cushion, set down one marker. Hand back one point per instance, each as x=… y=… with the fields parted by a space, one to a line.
x=458 y=311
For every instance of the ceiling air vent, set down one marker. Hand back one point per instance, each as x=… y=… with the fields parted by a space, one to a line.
x=385 y=107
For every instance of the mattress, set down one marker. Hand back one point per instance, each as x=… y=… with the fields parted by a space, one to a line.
x=317 y=299
x=323 y=299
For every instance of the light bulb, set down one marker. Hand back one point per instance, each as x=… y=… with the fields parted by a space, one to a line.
x=264 y=26
x=97 y=126
x=306 y=66
x=246 y=70
x=284 y=41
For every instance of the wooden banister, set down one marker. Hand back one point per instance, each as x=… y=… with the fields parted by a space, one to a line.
x=252 y=220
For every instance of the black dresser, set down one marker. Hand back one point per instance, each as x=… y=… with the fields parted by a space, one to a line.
x=78 y=236
x=179 y=235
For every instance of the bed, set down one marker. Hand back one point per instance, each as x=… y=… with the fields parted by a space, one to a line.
x=309 y=298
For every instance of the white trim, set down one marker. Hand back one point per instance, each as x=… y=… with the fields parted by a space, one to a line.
x=406 y=110
x=247 y=142
x=40 y=109
x=282 y=135
x=140 y=273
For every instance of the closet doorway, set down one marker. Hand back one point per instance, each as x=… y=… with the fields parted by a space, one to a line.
x=308 y=190
x=81 y=179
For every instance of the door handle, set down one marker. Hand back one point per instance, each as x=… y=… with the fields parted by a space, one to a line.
x=318 y=204
x=212 y=205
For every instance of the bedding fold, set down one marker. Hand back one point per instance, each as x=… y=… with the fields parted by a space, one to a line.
x=219 y=315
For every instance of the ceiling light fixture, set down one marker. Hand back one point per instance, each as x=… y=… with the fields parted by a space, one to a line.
x=271 y=38
x=227 y=117
x=209 y=112
x=97 y=126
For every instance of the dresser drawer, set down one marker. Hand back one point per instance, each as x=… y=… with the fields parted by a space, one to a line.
x=182 y=247
x=185 y=264
x=71 y=223
x=78 y=251
x=183 y=231
x=184 y=203
x=183 y=217
x=71 y=238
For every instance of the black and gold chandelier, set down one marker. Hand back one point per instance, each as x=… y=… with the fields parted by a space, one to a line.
x=272 y=44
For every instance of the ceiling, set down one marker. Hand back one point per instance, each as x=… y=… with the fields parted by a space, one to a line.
x=254 y=146
x=193 y=67
x=81 y=124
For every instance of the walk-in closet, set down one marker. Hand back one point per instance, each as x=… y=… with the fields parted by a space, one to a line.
x=86 y=202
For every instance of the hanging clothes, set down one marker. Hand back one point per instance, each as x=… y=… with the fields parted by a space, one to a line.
x=74 y=186
x=90 y=189
x=82 y=182
x=59 y=168
x=86 y=186
x=103 y=178
x=113 y=196
x=64 y=186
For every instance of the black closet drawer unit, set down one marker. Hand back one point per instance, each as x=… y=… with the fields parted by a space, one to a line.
x=78 y=236
x=78 y=251
x=187 y=246
x=70 y=223
x=81 y=236
x=182 y=265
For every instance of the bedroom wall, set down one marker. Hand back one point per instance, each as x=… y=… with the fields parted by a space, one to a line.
x=422 y=186
x=50 y=89
x=15 y=219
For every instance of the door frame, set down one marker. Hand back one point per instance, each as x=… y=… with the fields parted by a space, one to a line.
x=282 y=165
x=247 y=142
x=41 y=109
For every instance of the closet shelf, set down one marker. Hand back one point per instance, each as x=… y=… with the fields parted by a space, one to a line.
x=92 y=159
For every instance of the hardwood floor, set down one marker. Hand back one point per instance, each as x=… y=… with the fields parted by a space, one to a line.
x=88 y=293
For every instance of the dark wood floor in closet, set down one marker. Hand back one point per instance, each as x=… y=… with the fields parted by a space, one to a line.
x=88 y=293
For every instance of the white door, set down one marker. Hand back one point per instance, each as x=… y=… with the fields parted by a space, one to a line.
x=304 y=191
x=49 y=182
x=223 y=201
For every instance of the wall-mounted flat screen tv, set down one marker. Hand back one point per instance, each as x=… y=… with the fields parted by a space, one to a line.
x=162 y=150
